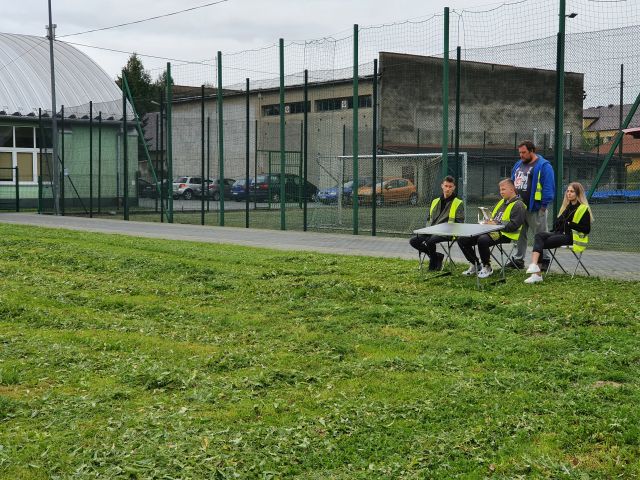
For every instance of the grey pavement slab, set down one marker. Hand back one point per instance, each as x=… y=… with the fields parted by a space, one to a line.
x=607 y=264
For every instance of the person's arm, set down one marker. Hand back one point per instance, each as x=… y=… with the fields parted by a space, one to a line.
x=518 y=215
x=460 y=214
x=584 y=225
x=513 y=170
x=548 y=180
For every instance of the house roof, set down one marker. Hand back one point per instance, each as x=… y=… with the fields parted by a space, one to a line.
x=25 y=79
x=630 y=146
x=608 y=118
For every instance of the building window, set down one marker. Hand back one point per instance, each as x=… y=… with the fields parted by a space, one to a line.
x=20 y=147
x=343 y=103
x=292 y=107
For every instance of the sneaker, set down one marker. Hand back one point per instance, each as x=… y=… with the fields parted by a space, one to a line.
x=535 y=278
x=533 y=268
x=515 y=264
x=473 y=269
x=486 y=271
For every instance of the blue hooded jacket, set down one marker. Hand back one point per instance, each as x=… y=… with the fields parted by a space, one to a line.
x=547 y=180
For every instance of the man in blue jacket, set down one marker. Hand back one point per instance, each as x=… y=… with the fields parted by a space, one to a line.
x=535 y=182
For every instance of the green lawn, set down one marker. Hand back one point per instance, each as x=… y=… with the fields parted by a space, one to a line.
x=135 y=358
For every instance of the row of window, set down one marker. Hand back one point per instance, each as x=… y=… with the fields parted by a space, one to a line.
x=324 y=105
x=20 y=147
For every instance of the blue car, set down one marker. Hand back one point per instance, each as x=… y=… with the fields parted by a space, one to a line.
x=330 y=195
x=239 y=190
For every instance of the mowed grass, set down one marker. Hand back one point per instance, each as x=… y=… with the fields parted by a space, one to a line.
x=135 y=358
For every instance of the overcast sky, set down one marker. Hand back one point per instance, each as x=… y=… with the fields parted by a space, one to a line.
x=230 y=26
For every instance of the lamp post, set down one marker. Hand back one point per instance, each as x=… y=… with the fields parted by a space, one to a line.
x=51 y=33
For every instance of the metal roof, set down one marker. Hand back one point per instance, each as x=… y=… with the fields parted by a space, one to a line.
x=25 y=79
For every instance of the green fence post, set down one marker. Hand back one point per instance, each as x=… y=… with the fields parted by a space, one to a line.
x=445 y=97
x=457 y=120
x=355 y=150
x=305 y=145
x=62 y=172
x=220 y=135
x=125 y=154
x=17 y=189
x=41 y=136
x=169 y=87
x=91 y=159
x=99 y=162
x=203 y=192
x=282 y=141
x=559 y=120
x=374 y=151
x=247 y=152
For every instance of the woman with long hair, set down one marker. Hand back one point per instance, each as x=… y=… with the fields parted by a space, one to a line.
x=570 y=228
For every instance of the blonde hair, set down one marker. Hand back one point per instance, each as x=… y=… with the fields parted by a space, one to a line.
x=580 y=196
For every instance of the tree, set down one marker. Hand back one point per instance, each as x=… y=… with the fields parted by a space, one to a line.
x=142 y=89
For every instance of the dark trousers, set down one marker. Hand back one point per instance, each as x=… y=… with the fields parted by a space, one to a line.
x=484 y=243
x=427 y=244
x=550 y=240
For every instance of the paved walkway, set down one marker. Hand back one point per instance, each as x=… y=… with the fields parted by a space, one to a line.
x=619 y=265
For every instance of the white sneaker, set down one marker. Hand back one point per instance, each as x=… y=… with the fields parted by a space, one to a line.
x=486 y=271
x=535 y=278
x=473 y=269
x=533 y=268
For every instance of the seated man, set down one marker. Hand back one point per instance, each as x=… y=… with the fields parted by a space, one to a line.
x=509 y=211
x=446 y=208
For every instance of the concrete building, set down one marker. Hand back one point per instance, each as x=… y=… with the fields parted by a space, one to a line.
x=25 y=124
x=501 y=105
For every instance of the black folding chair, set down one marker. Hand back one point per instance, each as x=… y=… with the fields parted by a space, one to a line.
x=447 y=252
x=577 y=256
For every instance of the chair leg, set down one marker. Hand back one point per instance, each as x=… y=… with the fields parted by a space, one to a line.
x=579 y=264
x=554 y=259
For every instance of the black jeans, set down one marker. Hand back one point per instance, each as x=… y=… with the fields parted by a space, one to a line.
x=550 y=240
x=484 y=242
x=427 y=244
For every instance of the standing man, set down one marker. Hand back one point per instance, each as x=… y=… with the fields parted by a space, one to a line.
x=535 y=183
x=445 y=208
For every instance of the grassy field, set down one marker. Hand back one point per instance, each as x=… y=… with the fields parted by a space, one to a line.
x=136 y=358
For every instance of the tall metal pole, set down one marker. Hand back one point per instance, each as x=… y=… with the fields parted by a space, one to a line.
x=559 y=127
x=247 y=154
x=125 y=150
x=355 y=150
x=62 y=172
x=91 y=159
x=620 y=167
x=457 y=136
x=54 y=123
x=220 y=136
x=445 y=96
x=169 y=175
x=203 y=187
x=283 y=225
x=99 y=161
x=374 y=149
x=305 y=147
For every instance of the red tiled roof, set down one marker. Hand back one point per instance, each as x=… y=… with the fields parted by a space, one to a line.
x=630 y=145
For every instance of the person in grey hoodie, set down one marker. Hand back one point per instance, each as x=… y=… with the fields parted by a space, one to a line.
x=510 y=211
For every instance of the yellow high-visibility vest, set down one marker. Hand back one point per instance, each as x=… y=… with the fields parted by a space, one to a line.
x=506 y=216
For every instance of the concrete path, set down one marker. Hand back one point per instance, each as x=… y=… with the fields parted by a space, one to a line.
x=619 y=265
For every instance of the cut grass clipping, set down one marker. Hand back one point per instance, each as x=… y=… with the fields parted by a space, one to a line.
x=133 y=358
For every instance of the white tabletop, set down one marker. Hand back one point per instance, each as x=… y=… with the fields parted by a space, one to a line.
x=458 y=229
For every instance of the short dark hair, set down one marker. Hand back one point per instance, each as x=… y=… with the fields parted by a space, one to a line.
x=449 y=179
x=529 y=145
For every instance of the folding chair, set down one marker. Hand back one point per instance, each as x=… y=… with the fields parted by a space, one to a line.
x=577 y=256
x=504 y=257
x=447 y=252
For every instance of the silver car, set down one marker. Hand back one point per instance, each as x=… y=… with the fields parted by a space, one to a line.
x=187 y=187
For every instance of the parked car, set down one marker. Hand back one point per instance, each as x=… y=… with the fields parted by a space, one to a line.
x=267 y=187
x=186 y=187
x=330 y=195
x=390 y=190
x=239 y=189
x=213 y=188
x=147 y=189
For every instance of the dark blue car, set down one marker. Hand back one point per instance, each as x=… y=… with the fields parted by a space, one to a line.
x=239 y=189
x=330 y=195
